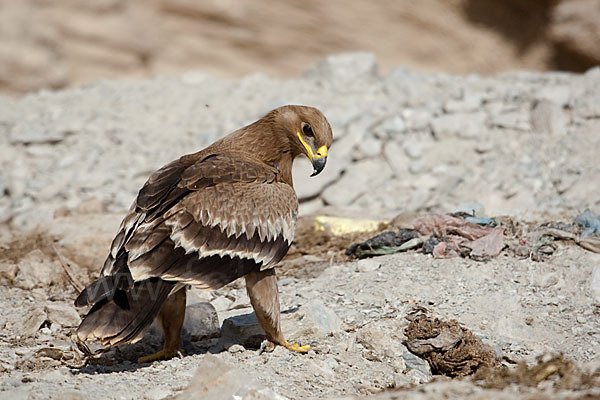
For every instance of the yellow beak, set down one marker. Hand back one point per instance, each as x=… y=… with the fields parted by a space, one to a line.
x=318 y=160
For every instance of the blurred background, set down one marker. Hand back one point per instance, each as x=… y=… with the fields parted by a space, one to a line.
x=57 y=43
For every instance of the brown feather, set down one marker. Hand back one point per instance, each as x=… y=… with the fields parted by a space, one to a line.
x=205 y=219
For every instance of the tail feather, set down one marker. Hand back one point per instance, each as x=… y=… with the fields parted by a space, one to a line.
x=107 y=285
x=125 y=316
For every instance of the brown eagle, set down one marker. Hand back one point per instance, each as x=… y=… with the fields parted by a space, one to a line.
x=206 y=220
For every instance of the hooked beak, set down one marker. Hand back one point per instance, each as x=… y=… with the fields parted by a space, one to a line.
x=318 y=165
x=318 y=160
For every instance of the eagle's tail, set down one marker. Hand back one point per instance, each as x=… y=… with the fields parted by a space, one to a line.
x=125 y=316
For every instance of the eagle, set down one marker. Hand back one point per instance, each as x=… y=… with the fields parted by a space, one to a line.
x=205 y=220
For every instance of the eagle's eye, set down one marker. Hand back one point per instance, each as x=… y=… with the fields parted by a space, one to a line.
x=307 y=129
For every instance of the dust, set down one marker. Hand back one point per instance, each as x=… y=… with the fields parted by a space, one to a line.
x=449 y=349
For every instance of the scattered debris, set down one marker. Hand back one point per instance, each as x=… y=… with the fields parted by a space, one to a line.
x=489 y=245
x=384 y=243
x=589 y=222
x=443 y=225
x=449 y=349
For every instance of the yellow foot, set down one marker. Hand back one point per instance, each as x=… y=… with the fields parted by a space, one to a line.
x=296 y=347
x=161 y=355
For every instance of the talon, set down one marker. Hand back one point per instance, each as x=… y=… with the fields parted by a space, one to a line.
x=161 y=355
x=296 y=347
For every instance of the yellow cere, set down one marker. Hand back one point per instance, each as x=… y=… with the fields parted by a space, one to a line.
x=322 y=152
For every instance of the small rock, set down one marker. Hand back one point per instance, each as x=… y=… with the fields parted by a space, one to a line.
x=221 y=303
x=392 y=126
x=471 y=207
x=316 y=318
x=347 y=67
x=236 y=348
x=244 y=328
x=549 y=280
x=8 y=272
x=463 y=125
x=548 y=118
x=396 y=157
x=215 y=379
x=512 y=120
x=416 y=363
x=417 y=119
x=32 y=322
x=413 y=148
x=201 y=321
x=369 y=148
x=63 y=314
x=35 y=270
x=418 y=377
x=367 y=264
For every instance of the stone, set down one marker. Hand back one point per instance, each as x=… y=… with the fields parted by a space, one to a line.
x=396 y=158
x=557 y=94
x=369 y=148
x=317 y=319
x=8 y=272
x=392 y=126
x=471 y=207
x=516 y=120
x=201 y=321
x=416 y=363
x=367 y=265
x=32 y=321
x=243 y=328
x=215 y=379
x=414 y=148
x=28 y=133
x=462 y=125
x=62 y=314
x=35 y=270
x=417 y=118
x=236 y=348
x=548 y=118
x=347 y=67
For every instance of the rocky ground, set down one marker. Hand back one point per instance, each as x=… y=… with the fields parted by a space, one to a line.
x=519 y=144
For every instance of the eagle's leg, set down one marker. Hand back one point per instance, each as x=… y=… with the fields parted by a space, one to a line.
x=170 y=318
x=264 y=296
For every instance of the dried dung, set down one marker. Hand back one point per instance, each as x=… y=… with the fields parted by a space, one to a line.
x=449 y=349
x=563 y=372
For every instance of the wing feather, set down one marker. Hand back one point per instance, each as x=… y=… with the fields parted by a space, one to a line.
x=207 y=220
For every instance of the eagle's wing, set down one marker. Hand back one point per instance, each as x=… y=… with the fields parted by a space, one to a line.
x=204 y=222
